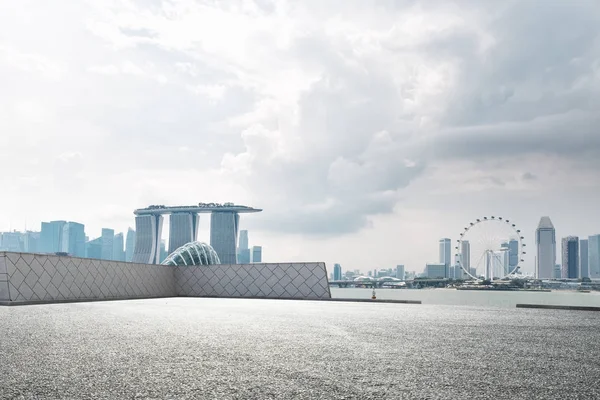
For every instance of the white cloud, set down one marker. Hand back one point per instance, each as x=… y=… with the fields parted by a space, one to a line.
x=354 y=126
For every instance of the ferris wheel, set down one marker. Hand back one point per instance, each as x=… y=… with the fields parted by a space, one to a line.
x=490 y=248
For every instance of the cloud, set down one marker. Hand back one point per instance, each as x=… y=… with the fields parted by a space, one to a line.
x=332 y=116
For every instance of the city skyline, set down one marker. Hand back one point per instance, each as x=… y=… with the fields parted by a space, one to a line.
x=444 y=243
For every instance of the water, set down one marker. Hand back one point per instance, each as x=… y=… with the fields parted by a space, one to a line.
x=268 y=349
x=473 y=297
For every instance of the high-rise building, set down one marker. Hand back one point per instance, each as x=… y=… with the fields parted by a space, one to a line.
x=148 y=229
x=513 y=255
x=436 y=270
x=108 y=237
x=570 y=257
x=594 y=256
x=73 y=239
x=337 y=272
x=51 y=236
x=557 y=271
x=243 y=244
x=12 y=241
x=31 y=242
x=545 y=239
x=183 y=229
x=243 y=249
x=118 y=253
x=94 y=248
x=256 y=254
x=465 y=257
x=583 y=259
x=129 y=245
x=445 y=254
x=400 y=272
x=223 y=235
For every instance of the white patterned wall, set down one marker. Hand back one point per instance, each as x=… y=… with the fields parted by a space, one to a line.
x=40 y=277
x=282 y=280
x=45 y=278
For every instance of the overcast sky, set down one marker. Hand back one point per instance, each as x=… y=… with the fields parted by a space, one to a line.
x=367 y=130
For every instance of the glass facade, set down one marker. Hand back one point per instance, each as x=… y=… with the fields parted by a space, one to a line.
x=545 y=239
x=257 y=254
x=223 y=235
x=594 y=256
x=193 y=253
x=446 y=254
x=337 y=272
x=118 y=253
x=108 y=237
x=583 y=259
x=73 y=239
x=570 y=257
x=51 y=236
x=148 y=229
x=183 y=228
x=129 y=245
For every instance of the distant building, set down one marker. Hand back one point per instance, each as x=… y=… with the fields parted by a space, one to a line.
x=465 y=257
x=51 y=236
x=73 y=239
x=545 y=239
x=570 y=257
x=108 y=237
x=243 y=249
x=584 y=271
x=129 y=245
x=513 y=255
x=12 y=241
x=118 y=253
x=31 y=242
x=256 y=254
x=446 y=254
x=435 y=270
x=400 y=272
x=94 y=249
x=337 y=272
x=557 y=272
x=594 y=256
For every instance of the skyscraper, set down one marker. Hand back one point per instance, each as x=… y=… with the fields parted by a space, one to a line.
x=163 y=252
x=570 y=257
x=11 y=241
x=31 y=242
x=545 y=239
x=223 y=235
x=129 y=245
x=243 y=249
x=73 y=239
x=94 y=248
x=584 y=271
x=108 y=236
x=465 y=257
x=183 y=229
x=337 y=272
x=400 y=272
x=118 y=253
x=256 y=254
x=594 y=256
x=51 y=236
x=445 y=254
x=513 y=255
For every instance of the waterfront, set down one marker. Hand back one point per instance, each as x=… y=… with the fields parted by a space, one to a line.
x=504 y=299
x=233 y=348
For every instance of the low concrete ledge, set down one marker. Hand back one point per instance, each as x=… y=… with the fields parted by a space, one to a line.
x=377 y=301
x=553 y=307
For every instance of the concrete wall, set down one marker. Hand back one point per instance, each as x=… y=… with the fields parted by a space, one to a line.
x=282 y=280
x=47 y=278
x=28 y=278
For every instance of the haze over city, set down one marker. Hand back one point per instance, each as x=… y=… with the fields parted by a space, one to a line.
x=364 y=132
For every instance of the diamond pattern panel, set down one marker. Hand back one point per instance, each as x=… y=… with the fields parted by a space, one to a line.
x=35 y=277
x=39 y=277
x=287 y=280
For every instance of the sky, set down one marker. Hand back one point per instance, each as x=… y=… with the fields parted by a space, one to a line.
x=365 y=130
